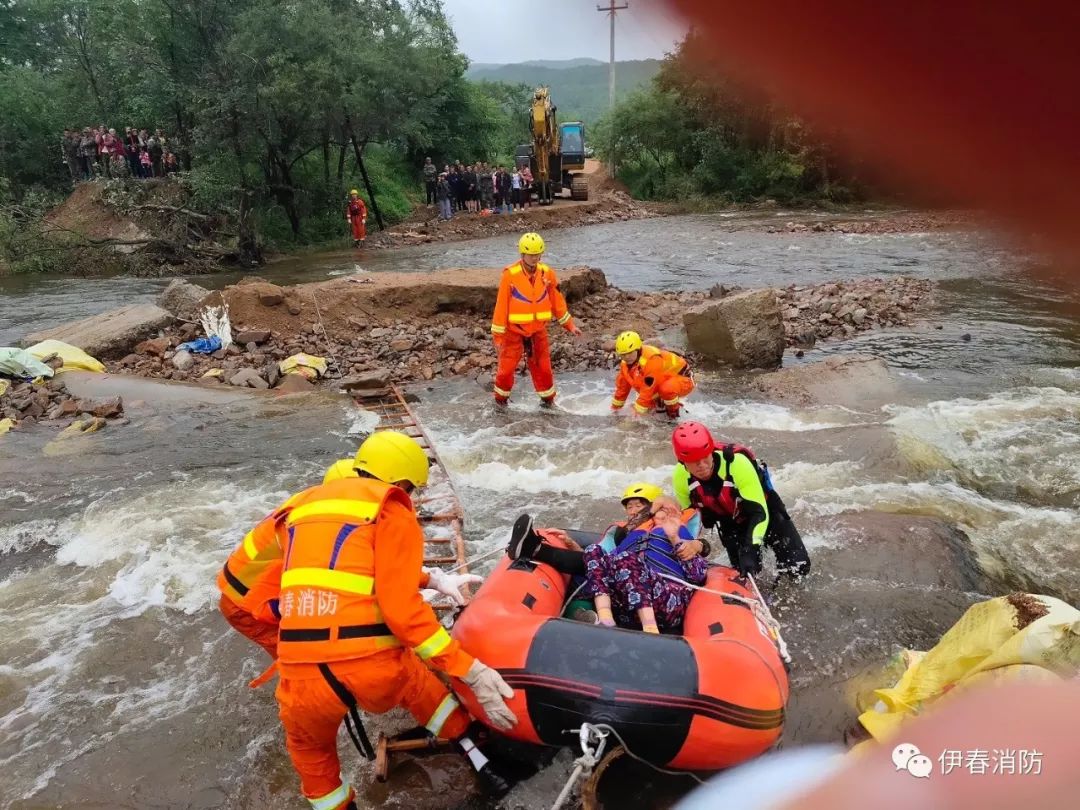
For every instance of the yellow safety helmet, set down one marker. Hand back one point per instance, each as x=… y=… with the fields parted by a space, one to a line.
x=342 y=468
x=391 y=457
x=354 y=191
x=531 y=244
x=628 y=342
x=646 y=492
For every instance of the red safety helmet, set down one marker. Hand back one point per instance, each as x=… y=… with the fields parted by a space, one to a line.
x=692 y=442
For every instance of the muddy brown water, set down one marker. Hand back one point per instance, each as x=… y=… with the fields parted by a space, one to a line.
x=121 y=687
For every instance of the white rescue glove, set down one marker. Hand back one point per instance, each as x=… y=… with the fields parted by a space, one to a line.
x=451 y=584
x=492 y=692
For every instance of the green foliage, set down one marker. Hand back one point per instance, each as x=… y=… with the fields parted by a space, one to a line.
x=695 y=132
x=268 y=102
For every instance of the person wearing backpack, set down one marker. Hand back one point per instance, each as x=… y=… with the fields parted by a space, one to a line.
x=733 y=491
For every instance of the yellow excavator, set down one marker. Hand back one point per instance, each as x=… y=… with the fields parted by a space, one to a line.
x=556 y=154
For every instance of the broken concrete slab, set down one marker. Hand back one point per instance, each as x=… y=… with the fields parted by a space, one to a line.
x=110 y=335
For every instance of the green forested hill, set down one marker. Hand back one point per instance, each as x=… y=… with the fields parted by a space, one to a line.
x=581 y=90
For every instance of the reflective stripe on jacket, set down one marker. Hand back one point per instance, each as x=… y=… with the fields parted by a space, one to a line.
x=653 y=366
x=251 y=577
x=353 y=552
x=527 y=304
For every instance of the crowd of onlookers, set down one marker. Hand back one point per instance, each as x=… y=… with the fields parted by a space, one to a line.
x=92 y=153
x=478 y=189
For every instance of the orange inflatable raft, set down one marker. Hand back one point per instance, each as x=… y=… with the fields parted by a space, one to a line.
x=708 y=699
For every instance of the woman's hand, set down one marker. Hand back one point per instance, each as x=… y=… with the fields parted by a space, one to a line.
x=559 y=534
x=666 y=513
x=688 y=550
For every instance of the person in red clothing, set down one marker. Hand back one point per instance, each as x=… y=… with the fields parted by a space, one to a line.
x=354 y=632
x=661 y=378
x=528 y=300
x=356 y=216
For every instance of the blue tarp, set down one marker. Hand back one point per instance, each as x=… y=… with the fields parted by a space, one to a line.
x=203 y=345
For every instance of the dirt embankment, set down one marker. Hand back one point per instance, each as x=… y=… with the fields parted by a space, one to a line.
x=412 y=327
x=424 y=226
x=140 y=227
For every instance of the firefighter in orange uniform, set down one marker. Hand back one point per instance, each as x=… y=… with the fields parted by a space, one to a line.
x=257 y=592
x=662 y=379
x=356 y=216
x=528 y=300
x=354 y=630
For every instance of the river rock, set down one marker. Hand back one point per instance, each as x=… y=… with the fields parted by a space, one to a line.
x=457 y=339
x=256 y=336
x=372 y=380
x=248 y=377
x=183 y=360
x=402 y=345
x=271 y=373
x=109 y=408
x=294 y=384
x=858 y=316
x=183 y=299
x=576 y=283
x=109 y=335
x=155 y=346
x=269 y=295
x=743 y=330
x=847 y=380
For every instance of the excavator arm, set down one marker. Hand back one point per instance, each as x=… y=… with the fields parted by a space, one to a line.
x=545 y=135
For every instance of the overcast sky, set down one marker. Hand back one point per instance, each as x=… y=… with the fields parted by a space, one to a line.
x=522 y=30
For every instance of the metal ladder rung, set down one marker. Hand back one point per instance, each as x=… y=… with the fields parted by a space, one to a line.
x=445 y=517
x=440 y=560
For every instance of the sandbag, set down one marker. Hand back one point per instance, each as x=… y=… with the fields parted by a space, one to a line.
x=21 y=365
x=309 y=365
x=1021 y=637
x=73 y=356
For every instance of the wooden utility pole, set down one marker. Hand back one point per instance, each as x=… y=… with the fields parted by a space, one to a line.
x=611 y=9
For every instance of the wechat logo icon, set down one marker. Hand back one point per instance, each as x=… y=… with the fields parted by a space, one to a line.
x=906 y=757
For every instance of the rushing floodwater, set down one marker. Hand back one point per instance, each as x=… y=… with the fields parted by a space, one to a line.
x=120 y=686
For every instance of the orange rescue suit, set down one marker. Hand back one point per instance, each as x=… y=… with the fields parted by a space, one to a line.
x=250 y=581
x=353 y=625
x=356 y=213
x=659 y=377
x=523 y=309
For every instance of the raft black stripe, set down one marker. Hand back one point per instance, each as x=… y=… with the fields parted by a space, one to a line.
x=703 y=705
x=555 y=685
x=704 y=710
x=708 y=700
x=236 y=584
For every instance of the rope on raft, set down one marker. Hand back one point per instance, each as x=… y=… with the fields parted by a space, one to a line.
x=757 y=606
